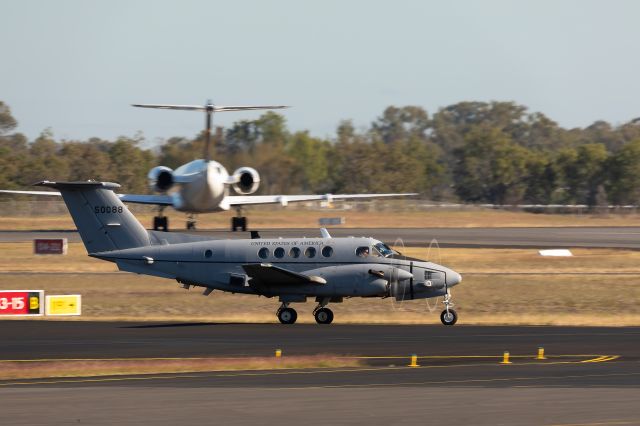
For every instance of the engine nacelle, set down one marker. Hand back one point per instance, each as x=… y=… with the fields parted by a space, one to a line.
x=160 y=178
x=247 y=180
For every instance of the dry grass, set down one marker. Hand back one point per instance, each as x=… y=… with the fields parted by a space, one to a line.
x=480 y=299
x=84 y=368
x=278 y=217
x=19 y=257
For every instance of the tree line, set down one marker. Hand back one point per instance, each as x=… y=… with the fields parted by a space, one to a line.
x=488 y=152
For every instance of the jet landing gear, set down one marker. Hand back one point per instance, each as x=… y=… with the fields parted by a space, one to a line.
x=161 y=222
x=191 y=222
x=448 y=316
x=323 y=315
x=238 y=221
x=287 y=315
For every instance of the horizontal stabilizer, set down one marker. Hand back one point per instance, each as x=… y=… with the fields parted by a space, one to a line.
x=268 y=274
x=212 y=108
x=156 y=200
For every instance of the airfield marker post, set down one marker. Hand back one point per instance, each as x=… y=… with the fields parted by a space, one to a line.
x=505 y=358
x=414 y=361
x=541 y=353
x=278 y=353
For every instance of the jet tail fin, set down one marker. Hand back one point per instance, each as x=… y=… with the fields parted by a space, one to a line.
x=103 y=221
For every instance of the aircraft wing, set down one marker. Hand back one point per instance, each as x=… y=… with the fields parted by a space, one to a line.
x=268 y=274
x=159 y=200
x=243 y=200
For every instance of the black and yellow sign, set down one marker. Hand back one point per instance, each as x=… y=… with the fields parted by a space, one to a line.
x=69 y=304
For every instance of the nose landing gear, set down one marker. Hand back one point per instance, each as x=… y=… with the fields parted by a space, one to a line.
x=448 y=316
x=161 y=222
x=238 y=221
x=191 y=222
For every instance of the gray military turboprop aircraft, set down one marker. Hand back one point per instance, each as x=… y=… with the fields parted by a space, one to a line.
x=326 y=268
x=202 y=186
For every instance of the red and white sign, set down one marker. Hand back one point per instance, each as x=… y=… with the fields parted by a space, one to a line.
x=50 y=246
x=21 y=302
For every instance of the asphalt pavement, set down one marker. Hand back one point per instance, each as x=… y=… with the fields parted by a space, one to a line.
x=591 y=375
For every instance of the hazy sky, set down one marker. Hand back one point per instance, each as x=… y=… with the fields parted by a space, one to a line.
x=76 y=65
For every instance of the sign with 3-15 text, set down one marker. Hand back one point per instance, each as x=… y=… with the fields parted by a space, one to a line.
x=21 y=302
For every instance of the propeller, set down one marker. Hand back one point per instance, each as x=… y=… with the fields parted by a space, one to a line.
x=400 y=291
x=209 y=108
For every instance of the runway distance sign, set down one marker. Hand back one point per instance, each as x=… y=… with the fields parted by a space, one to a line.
x=68 y=304
x=50 y=246
x=21 y=302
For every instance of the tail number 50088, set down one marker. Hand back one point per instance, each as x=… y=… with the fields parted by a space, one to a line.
x=107 y=209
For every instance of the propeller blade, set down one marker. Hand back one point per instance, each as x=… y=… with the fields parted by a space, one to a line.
x=247 y=107
x=176 y=107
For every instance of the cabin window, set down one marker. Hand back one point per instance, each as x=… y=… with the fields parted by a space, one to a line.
x=362 y=251
x=310 y=252
x=279 y=252
x=327 y=251
x=208 y=253
x=294 y=252
x=263 y=253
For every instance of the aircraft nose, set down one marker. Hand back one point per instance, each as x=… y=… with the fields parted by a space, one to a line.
x=453 y=278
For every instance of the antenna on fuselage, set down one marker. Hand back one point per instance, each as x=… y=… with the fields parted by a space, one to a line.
x=325 y=233
x=209 y=108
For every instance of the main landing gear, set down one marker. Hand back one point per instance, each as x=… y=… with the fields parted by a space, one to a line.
x=448 y=316
x=322 y=314
x=238 y=221
x=287 y=315
x=161 y=222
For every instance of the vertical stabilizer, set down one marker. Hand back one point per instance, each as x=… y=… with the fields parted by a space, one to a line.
x=103 y=221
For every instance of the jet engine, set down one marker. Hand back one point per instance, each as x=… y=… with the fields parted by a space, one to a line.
x=160 y=178
x=247 y=180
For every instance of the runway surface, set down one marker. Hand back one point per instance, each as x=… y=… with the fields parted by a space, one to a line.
x=459 y=381
x=605 y=237
x=84 y=339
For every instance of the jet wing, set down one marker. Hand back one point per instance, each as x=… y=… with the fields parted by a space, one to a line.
x=159 y=200
x=243 y=200
x=268 y=274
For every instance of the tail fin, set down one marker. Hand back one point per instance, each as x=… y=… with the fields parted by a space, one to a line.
x=104 y=223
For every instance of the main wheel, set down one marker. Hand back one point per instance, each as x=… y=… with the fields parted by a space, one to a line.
x=449 y=318
x=324 y=316
x=287 y=315
x=160 y=223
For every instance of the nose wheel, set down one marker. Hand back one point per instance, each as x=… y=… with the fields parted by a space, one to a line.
x=448 y=316
x=287 y=315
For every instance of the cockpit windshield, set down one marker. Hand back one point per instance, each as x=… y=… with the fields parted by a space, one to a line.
x=384 y=250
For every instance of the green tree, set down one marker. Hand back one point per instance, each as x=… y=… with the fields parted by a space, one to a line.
x=582 y=172
x=7 y=122
x=624 y=175
x=491 y=167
